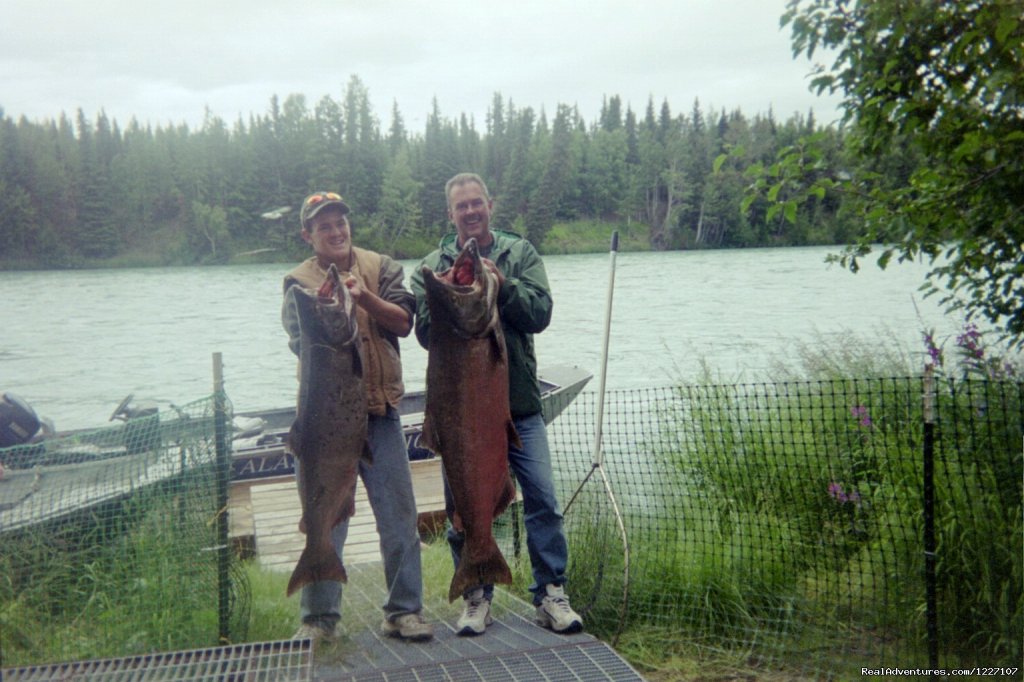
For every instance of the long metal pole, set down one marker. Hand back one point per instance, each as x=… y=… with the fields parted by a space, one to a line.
x=597 y=455
x=930 y=583
x=220 y=430
x=598 y=452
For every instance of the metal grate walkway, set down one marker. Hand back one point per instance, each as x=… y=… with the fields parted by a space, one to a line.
x=582 y=661
x=512 y=649
x=256 y=662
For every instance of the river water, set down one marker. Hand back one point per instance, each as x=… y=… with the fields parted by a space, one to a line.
x=74 y=343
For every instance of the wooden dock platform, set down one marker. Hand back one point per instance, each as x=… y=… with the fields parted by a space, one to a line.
x=263 y=517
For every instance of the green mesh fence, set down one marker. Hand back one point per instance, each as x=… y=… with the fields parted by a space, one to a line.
x=783 y=523
x=112 y=542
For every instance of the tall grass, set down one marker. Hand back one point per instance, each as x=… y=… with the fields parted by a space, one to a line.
x=785 y=518
x=134 y=576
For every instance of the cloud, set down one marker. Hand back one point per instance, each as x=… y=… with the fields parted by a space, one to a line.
x=168 y=62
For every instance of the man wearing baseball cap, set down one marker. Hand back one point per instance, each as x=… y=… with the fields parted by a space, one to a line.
x=384 y=312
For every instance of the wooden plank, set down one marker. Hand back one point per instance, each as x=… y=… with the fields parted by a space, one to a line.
x=240 y=523
x=278 y=542
x=271 y=510
x=276 y=514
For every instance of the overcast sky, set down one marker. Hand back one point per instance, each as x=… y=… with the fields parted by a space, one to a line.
x=167 y=62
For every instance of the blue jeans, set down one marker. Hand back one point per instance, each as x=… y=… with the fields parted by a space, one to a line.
x=545 y=540
x=389 y=487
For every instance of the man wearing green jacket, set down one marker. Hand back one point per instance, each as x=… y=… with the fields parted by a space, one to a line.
x=524 y=305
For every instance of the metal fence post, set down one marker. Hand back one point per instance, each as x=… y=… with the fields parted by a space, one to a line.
x=931 y=608
x=220 y=427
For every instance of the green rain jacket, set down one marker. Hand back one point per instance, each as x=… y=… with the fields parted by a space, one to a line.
x=524 y=305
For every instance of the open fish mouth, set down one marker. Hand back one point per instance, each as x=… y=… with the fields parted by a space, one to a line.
x=465 y=274
x=330 y=291
x=464 y=294
x=467 y=268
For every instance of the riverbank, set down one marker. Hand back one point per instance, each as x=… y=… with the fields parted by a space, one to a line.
x=167 y=248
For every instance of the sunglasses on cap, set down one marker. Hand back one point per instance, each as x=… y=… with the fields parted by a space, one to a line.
x=315 y=199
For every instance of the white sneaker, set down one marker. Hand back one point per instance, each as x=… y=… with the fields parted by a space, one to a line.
x=554 y=612
x=410 y=626
x=476 y=614
x=315 y=633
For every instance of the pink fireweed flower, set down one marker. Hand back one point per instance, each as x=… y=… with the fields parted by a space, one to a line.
x=836 y=492
x=933 y=349
x=861 y=413
x=970 y=342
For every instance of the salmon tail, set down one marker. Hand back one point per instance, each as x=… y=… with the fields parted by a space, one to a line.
x=311 y=569
x=488 y=569
x=513 y=435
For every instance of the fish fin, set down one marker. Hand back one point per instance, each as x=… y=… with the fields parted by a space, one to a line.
x=508 y=496
x=427 y=439
x=311 y=570
x=513 y=435
x=357 y=362
x=487 y=568
x=291 y=443
x=497 y=345
x=348 y=510
x=457 y=522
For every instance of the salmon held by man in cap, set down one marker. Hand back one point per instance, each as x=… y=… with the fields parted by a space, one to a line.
x=329 y=433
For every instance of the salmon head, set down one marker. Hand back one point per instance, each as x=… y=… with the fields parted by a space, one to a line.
x=328 y=314
x=463 y=297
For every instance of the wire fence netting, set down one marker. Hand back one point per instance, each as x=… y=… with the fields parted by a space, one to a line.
x=814 y=528
x=112 y=541
x=784 y=522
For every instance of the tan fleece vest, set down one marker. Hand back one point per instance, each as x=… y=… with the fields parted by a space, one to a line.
x=382 y=365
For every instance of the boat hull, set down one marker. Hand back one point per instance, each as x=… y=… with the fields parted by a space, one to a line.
x=265 y=456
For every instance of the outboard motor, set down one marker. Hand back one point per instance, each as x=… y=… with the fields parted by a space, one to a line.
x=132 y=409
x=18 y=421
x=142 y=424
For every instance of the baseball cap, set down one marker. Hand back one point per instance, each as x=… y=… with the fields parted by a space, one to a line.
x=318 y=201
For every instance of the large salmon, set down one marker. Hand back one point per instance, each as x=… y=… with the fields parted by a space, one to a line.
x=467 y=419
x=328 y=436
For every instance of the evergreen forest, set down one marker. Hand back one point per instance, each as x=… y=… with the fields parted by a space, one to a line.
x=87 y=192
